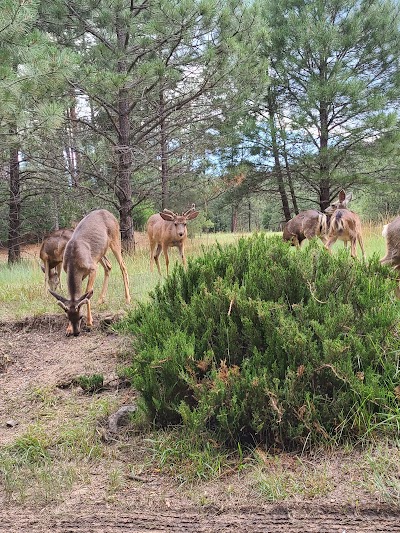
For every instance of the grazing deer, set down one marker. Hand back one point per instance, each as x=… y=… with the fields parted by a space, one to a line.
x=305 y=225
x=344 y=225
x=391 y=232
x=51 y=253
x=92 y=237
x=168 y=229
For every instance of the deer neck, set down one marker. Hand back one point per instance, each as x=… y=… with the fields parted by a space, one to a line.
x=74 y=282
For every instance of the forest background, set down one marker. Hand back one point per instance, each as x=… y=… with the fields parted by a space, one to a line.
x=251 y=110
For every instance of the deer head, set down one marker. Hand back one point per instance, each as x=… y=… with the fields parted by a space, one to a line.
x=342 y=202
x=72 y=310
x=179 y=221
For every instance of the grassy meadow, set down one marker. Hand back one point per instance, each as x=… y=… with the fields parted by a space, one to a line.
x=22 y=286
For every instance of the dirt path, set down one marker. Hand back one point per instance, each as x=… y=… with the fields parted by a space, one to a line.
x=271 y=519
x=36 y=364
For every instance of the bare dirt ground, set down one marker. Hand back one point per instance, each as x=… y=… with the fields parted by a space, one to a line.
x=36 y=357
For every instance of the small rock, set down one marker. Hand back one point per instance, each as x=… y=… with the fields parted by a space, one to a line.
x=120 y=417
x=11 y=423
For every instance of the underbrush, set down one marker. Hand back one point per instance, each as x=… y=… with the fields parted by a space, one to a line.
x=259 y=343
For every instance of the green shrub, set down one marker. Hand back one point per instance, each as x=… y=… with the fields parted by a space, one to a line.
x=263 y=343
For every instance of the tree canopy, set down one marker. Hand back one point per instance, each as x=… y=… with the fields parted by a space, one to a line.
x=252 y=111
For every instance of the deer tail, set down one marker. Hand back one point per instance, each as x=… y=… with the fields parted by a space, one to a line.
x=384 y=230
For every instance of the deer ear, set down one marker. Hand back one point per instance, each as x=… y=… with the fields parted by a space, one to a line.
x=166 y=216
x=192 y=215
x=349 y=197
x=342 y=196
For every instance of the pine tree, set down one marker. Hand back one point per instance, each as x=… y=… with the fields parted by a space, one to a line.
x=338 y=61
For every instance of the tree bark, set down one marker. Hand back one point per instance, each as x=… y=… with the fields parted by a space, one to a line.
x=275 y=153
x=234 y=220
x=124 y=152
x=324 y=185
x=14 y=228
x=324 y=181
x=163 y=153
x=74 y=159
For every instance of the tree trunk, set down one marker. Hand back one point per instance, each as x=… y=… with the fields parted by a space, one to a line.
x=14 y=228
x=275 y=153
x=324 y=178
x=290 y=181
x=324 y=185
x=124 y=152
x=234 y=220
x=163 y=154
x=74 y=159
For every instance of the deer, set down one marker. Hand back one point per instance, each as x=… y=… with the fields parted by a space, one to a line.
x=93 y=236
x=344 y=225
x=167 y=229
x=51 y=253
x=305 y=225
x=391 y=232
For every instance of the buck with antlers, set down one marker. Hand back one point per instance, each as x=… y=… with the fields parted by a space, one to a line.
x=391 y=232
x=167 y=229
x=92 y=237
x=344 y=225
x=305 y=225
x=51 y=253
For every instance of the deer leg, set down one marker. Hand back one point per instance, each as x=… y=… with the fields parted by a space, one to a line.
x=58 y=270
x=353 y=244
x=156 y=257
x=165 y=251
x=330 y=242
x=361 y=243
x=116 y=250
x=152 y=246
x=105 y=263
x=89 y=287
x=46 y=276
x=181 y=249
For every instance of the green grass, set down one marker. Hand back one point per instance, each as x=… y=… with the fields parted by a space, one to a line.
x=43 y=463
x=22 y=286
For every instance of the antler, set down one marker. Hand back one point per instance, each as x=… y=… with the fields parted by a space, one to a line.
x=169 y=212
x=193 y=208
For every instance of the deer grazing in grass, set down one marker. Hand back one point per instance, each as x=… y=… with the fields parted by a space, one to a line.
x=344 y=225
x=391 y=232
x=167 y=229
x=51 y=253
x=305 y=225
x=92 y=237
